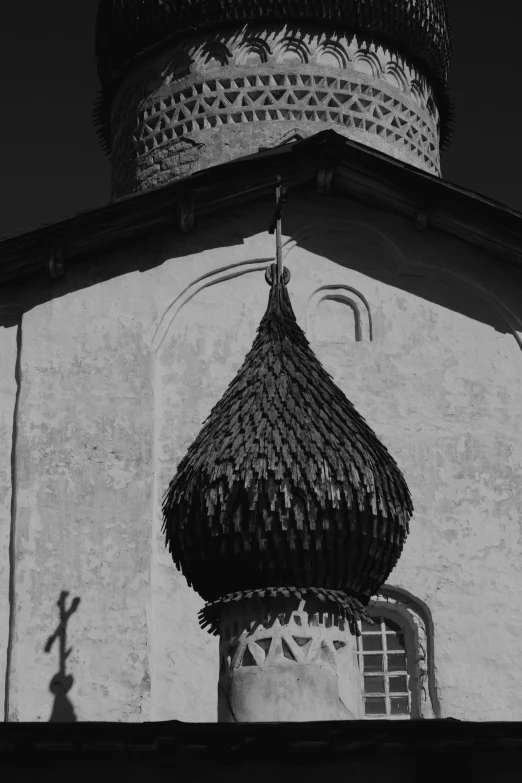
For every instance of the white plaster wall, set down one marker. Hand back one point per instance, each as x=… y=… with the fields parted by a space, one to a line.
x=442 y=393
x=118 y=378
x=84 y=504
x=89 y=505
x=200 y=354
x=198 y=342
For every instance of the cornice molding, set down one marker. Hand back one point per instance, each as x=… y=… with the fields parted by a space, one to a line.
x=359 y=173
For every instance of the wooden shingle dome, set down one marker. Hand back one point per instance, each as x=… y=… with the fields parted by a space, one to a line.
x=286 y=485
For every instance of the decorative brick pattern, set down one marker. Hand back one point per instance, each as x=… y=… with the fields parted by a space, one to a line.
x=287 y=96
x=287 y=658
x=204 y=102
x=127 y=27
x=288 y=632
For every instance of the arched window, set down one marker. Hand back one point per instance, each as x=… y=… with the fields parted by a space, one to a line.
x=396 y=658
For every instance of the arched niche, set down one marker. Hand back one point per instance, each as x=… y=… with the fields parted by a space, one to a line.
x=339 y=313
x=332 y=54
x=368 y=63
x=253 y=51
x=418 y=92
x=292 y=51
x=212 y=54
x=362 y=248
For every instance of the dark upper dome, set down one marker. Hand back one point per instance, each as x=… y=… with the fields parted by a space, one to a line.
x=286 y=484
x=417 y=28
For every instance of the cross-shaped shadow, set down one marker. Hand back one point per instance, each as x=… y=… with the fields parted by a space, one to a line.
x=61 y=683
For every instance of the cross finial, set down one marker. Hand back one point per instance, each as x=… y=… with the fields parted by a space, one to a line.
x=276 y=226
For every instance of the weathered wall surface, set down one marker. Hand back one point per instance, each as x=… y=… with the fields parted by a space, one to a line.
x=83 y=505
x=119 y=376
x=198 y=103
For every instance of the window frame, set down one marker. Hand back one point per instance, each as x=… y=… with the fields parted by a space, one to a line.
x=400 y=616
x=412 y=613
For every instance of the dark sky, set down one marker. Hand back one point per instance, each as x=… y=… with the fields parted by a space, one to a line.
x=52 y=165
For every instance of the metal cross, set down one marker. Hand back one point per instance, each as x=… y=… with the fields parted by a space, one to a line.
x=276 y=226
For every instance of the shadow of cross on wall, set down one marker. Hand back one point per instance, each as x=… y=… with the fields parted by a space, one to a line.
x=61 y=683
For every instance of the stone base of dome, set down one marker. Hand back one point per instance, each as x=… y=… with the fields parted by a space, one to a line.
x=287 y=659
x=201 y=103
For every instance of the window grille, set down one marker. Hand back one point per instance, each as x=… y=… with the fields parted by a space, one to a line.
x=383 y=660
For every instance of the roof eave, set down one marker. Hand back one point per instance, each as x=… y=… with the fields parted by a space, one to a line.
x=358 y=172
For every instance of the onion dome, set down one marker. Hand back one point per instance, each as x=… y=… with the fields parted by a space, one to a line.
x=128 y=28
x=286 y=485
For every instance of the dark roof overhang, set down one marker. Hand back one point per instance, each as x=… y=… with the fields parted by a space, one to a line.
x=356 y=172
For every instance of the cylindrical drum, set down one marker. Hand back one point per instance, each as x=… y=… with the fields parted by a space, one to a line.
x=287 y=659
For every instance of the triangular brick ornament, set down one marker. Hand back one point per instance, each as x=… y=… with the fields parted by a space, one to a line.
x=264 y=644
x=287 y=652
x=248 y=658
x=304 y=643
x=282 y=460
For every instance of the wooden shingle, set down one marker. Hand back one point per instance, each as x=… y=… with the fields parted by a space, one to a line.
x=286 y=485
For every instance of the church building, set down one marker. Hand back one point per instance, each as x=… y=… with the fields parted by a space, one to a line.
x=260 y=413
